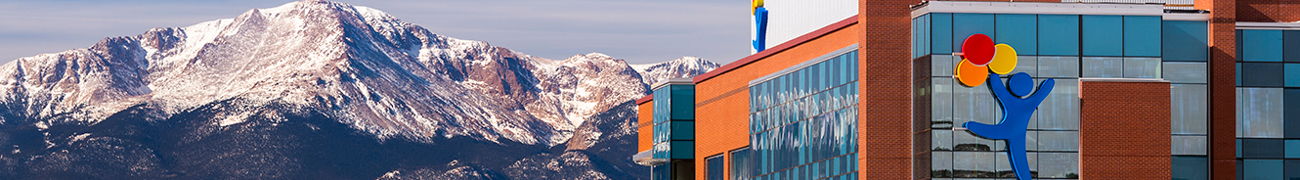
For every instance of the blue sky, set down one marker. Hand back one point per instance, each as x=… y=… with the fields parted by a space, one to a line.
x=641 y=31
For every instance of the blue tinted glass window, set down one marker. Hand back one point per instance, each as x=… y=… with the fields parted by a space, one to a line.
x=1262 y=148
x=1292 y=169
x=715 y=165
x=1058 y=35
x=1103 y=35
x=1292 y=74
x=941 y=32
x=1190 y=167
x=1261 y=45
x=1262 y=169
x=964 y=25
x=1293 y=148
x=1142 y=36
x=1262 y=74
x=1185 y=41
x=1020 y=31
x=1291 y=46
x=1291 y=106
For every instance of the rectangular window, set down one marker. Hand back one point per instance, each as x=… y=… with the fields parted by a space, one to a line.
x=1027 y=64
x=1103 y=35
x=1189 y=112
x=964 y=25
x=1184 y=72
x=1020 y=31
x=1261 y=45
x=1291 y=46
x=1058 y=140
x=1060 y=67
x=1293 y=169
x=941 y=164
x=1292 y=74
x=715 y=170
x=1104 y=67
x=941 y=33
x=1141 y=67
x=1060 y=111
x=1058 y=165
x=1291 y=115
x=1262 y=74
x=1261 y=115
x=941 y=65
x=1142 y=36
x=1262 y=148
x=1293 y=148
x=1262 y=169
x=1185 y=41
x=941 y=102
x=1190 y=167
x=973 y=164
x=1058 y=35
x=1188 y=145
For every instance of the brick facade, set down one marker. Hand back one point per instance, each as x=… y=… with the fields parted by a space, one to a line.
x=1268 y=10
x=885 y=98
x=1223 y=81
x=1124 y=130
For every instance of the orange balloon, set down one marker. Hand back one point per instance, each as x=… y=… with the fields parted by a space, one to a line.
x=970 y=74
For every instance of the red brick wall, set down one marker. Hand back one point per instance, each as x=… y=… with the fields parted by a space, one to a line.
x=885 y=105
x=1223 y=81
x=1268 y=10
x=1124 y=130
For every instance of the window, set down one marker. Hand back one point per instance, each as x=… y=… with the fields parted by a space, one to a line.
x=1026 y=64
x=742 y=164
x=1058 y=35
x=1291 y=42
x=964 y=25
x=1188 y=145
x=1058 y=140
x=941 y=65
x=1291 y=106
x=1184 y=72
x=941 y=164
x=1185 y=41
x=941 y=33
x=1142 y=36
x=1261 y=45
x=1292 y=74
x=1061 y=67
x=715 y=171
x=1058 y=165
x=1103 y=35
x=973 y=164
x=1292 y=169
x=1189 y=108
x=1262 y=148
x=1141 y=67
x=1106 y=67
x=1262 y=169
x=1019 y=31
x=1292 y=148
x=1190 y=167
x=1261 y=117
x=1262 y=74
x=941 y=103
x=1060 y=111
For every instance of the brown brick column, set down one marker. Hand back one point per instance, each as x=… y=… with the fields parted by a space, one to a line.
x=1223 y=82
x=885 y=106
x=1124 y=130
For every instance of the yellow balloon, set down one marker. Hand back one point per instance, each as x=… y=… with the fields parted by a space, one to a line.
x=1004 y=60
x=755 y=4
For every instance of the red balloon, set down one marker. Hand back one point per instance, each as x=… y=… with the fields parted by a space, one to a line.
x=978 y=48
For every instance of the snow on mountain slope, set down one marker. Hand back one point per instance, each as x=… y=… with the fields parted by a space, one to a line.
x=683 y=67
x=378 y=74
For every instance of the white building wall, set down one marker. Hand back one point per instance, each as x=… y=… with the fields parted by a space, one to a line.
x=788 y=19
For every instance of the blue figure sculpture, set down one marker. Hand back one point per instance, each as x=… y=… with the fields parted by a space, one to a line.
x=760 y=22
x=1015 y=116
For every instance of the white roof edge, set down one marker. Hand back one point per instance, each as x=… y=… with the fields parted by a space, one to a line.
x=1186 y=16
x=1038 y=8
x=673 y=81
x=1269 y=25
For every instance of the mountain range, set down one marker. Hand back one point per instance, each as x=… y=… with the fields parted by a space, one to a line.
x=320 y=90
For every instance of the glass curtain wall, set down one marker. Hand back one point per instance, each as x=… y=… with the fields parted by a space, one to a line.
x=1268 y=104
x=1186 y=51
x=803 y=123
x=1063 y=47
